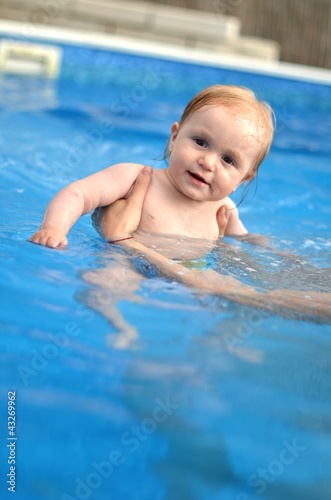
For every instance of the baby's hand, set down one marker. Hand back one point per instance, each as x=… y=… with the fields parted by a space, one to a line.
x=50 y=238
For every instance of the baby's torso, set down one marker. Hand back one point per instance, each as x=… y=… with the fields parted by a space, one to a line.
x=164 y=212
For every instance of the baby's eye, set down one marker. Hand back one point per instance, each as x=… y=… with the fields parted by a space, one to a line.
x=228 y=159
x=200 y=142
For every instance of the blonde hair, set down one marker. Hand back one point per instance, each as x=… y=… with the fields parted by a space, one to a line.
x=244 y=102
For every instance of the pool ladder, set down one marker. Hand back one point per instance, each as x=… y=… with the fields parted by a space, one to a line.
x=30 y=59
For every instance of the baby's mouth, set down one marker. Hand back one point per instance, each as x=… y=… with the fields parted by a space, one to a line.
x=198 y=177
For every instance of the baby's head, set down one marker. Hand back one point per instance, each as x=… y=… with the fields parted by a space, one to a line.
x=242 y=102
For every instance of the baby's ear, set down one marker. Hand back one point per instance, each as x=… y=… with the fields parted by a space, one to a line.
x=249 y=177
x=174 y=128
x=174 y=133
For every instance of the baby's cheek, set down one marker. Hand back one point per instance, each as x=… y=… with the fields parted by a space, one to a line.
x=217 y=192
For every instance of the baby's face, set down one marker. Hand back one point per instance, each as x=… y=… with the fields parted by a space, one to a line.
x=212 y=153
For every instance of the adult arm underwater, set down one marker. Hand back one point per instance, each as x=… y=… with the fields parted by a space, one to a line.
x=123 y=218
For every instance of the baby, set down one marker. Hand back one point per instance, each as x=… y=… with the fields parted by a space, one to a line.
x=219 y=143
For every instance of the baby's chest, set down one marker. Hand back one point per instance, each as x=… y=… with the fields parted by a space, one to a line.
x=165 y=217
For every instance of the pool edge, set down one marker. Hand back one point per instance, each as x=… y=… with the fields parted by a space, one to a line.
x=25 y=32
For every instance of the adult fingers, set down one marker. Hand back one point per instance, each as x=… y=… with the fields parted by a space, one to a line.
x=222 y=220
x=140 y=187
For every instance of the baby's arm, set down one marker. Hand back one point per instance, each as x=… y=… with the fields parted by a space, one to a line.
x=80 y=197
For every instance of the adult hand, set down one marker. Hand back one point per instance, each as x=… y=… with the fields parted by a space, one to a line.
x=222 y=217
x=120 y=219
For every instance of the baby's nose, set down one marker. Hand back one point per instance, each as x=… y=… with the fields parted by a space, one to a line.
x=208 y=161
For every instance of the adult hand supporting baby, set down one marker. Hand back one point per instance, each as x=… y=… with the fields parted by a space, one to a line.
x=122 y=218
x=222 y=217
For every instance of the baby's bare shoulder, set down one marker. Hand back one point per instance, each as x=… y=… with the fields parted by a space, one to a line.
x=227 y=203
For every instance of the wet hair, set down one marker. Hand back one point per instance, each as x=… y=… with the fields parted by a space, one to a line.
x=243 y=102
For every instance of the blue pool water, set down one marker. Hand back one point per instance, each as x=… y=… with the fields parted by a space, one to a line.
x=214 y=400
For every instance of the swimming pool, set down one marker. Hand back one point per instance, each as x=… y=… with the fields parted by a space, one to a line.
x=214 y=400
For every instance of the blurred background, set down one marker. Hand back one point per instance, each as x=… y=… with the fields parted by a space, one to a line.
x=297 y=31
